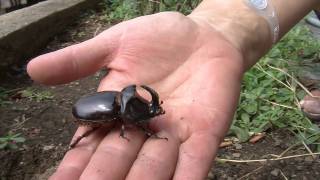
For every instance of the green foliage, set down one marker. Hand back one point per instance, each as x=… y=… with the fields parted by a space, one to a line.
x=10 y=141
x=33 y=94
x=119 y=10
x=297 y=45
x=270 y=93
x=4 y=95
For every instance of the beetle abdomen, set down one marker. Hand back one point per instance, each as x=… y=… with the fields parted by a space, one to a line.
x=99 y=106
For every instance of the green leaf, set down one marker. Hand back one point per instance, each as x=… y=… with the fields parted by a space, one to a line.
x=4 y=139
x=12 y=146
x=242 y=134
x=251 y=108
x=245 y=118
x=19 y=139
x=3 y=145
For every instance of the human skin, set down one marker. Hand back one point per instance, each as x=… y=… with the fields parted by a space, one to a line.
x=195 y=62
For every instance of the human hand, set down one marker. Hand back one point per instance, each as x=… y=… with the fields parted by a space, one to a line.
x=197 y=74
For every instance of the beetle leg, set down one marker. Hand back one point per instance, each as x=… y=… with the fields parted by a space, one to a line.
x=150 y=133
x=85 y=134
x=122 y=132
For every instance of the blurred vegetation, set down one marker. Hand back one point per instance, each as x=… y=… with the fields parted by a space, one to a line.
x=271 y=90
x=4 y=95
x=119 y=10
x=34 y=94
x=11 y=141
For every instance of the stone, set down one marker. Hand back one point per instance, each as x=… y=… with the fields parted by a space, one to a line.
x=24 y=32
x=275 y=172
x=236 y=155
x=308 y=159
x=238 y=146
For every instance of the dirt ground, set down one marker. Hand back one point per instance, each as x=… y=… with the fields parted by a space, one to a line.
x=48 y=126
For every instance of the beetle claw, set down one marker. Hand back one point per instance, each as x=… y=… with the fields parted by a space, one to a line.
x=158 y=137
x=150 y=133
x=85 y=134
x=122 y=133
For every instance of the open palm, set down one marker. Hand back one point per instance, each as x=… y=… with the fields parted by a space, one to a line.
x=194 y=69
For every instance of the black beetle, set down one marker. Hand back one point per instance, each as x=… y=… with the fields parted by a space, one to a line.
x=126 y=107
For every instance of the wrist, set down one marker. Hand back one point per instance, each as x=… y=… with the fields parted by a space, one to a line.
x=239 y=24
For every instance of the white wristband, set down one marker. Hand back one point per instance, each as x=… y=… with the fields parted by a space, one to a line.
x=267 y=11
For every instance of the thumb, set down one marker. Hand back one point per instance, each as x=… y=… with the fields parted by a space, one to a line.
x=75 y=61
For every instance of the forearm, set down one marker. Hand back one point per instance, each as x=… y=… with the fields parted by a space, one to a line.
x=244 y=28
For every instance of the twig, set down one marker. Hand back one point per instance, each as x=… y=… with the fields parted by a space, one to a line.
x=284 y=176
x=294 y=79
x=154 y=1
x=247 y=175
x=12 y=90
x=308 y=149
x=265 y=160
x=18 y=125
x=288 y=149
x=274 y=103
x=97 y=30
x=261 y=69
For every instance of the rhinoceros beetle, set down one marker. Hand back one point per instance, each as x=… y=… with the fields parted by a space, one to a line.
x=126 y=107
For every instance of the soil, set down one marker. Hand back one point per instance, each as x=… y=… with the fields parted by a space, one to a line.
x=48 y=126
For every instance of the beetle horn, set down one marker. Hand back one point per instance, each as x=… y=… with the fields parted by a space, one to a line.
x=126 y=94
x=154 y=96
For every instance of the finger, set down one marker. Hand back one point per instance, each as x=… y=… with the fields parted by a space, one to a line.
x=115 y=81
x=115 y=155
x=77 y=158
x=75 y=61
x=156 y=160
x=195 y=156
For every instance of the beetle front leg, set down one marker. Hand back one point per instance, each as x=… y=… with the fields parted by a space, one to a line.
x=122 y=130
x=150 y=133
x=85 y=134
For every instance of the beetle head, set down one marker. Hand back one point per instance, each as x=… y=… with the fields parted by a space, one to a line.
x=135 y=108
x=155 y=105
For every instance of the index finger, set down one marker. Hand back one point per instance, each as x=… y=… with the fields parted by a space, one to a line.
x=75 y=61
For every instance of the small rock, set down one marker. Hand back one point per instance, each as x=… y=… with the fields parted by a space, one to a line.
x=275 y=172
x=49 y=147
x=64 y=120
x=311 y=106
x=210 y=175
x=238 y=146
x=277 y=143
x=299 y=159
x=308 y=159
x=299 y=168
x=236 y=155
x=304 y=178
